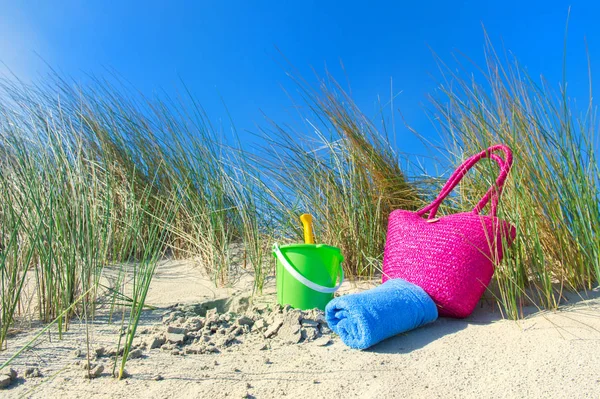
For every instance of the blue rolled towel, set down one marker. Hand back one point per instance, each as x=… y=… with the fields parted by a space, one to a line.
x=366 y=318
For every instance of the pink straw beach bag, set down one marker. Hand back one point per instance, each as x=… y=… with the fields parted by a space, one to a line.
x=451 y=257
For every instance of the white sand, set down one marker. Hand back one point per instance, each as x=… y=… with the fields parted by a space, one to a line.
x=552 y=355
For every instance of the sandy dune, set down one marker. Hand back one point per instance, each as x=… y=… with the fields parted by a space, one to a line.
x=551 y=354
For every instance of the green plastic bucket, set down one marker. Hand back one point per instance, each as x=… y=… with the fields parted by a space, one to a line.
x=307 y=273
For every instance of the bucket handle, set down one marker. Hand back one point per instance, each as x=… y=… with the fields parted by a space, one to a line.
x=291 y=270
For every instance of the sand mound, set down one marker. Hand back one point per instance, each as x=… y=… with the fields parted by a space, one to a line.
x=214 y=326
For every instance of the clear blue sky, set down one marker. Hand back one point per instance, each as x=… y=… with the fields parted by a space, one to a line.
x=227 y=48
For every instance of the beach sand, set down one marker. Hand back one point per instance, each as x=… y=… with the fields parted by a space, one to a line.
x=547 y=355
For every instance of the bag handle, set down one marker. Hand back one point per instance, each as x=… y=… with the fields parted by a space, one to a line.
x=493 y=192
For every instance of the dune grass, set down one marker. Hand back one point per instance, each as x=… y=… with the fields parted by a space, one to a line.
x=553 y=193
x=94 y=177
x=343 y=171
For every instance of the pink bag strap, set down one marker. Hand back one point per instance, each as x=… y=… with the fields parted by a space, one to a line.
x=493 y=192
x=457 y=176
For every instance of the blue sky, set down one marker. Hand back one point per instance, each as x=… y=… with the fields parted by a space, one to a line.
x=227 y=49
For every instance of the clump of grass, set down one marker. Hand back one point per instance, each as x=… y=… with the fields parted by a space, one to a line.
x=92 y=176
x=143 y=271
x=250 y=196
x=347 y=176
x=553 y=193
x=54 y=211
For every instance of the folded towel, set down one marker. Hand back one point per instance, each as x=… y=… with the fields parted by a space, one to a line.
x=364 y=319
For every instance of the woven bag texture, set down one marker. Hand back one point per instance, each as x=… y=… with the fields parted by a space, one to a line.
x=452 y=257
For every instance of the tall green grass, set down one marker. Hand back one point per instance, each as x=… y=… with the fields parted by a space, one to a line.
x=95 y=176
x=343 y=171
x=553 y=192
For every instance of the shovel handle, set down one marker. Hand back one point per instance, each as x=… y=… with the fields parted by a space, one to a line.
x=306 y=220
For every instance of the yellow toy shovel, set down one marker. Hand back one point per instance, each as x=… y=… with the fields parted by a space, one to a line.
x=306 y=220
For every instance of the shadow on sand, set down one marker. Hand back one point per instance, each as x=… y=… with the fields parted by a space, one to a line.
x=487 y=312
x=419 y=338
x=423 y=336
